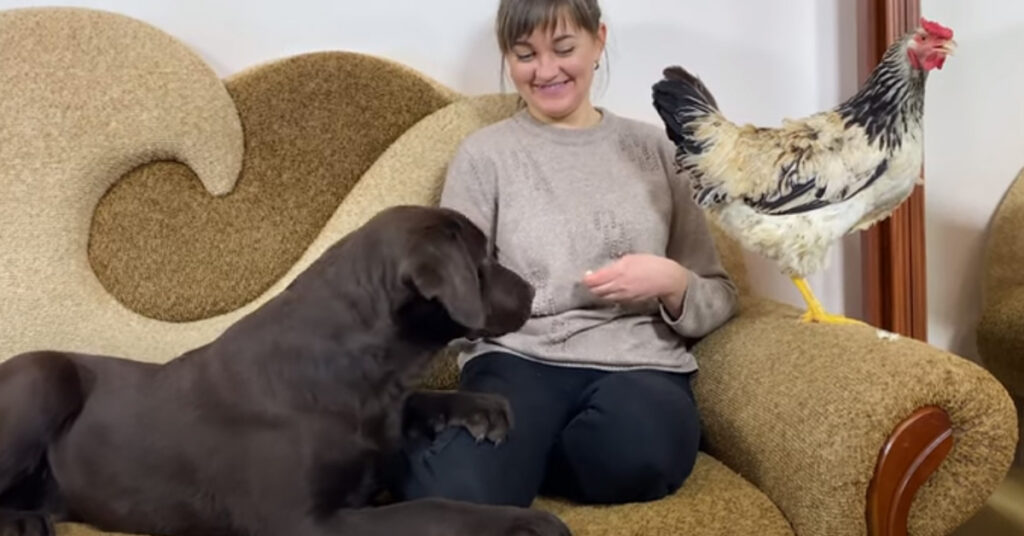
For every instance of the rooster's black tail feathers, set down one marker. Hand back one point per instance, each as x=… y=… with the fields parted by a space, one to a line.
x=679 y=98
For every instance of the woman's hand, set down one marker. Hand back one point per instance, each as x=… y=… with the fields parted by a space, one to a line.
x=640 y=277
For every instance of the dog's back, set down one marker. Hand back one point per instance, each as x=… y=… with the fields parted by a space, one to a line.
x=278 y=425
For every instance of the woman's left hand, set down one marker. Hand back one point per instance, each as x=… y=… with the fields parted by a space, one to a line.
x=640 y=277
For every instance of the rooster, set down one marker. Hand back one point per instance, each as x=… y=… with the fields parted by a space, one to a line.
x=790 y=192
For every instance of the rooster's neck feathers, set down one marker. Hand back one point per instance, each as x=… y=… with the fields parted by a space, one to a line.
x=891 y=102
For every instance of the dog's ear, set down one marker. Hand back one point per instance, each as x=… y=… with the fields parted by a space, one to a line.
x=442 y=270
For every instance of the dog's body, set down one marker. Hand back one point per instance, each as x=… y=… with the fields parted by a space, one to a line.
x=289 y=421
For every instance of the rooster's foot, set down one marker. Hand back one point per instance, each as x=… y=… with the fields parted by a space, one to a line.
x=821 y=317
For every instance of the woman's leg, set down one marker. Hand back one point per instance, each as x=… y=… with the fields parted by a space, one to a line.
x=455 y=466
x=635 y=438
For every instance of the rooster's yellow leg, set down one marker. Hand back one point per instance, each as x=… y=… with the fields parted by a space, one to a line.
x=815 y=311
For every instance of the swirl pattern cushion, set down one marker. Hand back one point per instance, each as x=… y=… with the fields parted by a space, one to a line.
x=145 y=204
x=313 y=125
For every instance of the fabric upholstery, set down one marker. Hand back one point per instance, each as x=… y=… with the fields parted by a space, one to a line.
x=803 y=410
x=714 y=502
x=1001 y=328
x=86 y=97
x=313 y=125
x=120 y=151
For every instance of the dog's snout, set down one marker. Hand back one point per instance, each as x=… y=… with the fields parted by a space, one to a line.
x=510 y=300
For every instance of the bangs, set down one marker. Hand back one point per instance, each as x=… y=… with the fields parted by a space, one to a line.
x=519 y=19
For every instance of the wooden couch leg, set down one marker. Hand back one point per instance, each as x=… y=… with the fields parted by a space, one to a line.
x=914 y=450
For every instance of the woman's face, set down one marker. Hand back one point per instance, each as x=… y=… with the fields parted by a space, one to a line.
x=553 y=70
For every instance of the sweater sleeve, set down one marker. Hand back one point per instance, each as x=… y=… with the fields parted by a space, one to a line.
x=470 y=187
x=710 y=296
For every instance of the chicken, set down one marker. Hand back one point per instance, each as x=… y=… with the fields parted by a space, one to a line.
x=788 y=193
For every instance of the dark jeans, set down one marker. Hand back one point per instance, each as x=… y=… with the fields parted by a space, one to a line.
x=587 y=435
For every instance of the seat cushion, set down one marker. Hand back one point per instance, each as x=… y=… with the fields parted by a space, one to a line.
x=714 y=501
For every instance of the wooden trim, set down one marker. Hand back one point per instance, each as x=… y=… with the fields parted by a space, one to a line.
x=893 y=251
x=914 y=450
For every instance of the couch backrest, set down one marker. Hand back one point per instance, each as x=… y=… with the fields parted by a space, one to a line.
x=1004 y=246
x=143 y=228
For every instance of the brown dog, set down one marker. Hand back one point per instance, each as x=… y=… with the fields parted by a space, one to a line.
x=287 y=423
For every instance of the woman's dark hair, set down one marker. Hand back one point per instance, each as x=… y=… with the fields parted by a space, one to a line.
x=519 y=18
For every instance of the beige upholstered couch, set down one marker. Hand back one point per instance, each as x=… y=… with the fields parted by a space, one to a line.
x=146 y=204
x=1001 y=328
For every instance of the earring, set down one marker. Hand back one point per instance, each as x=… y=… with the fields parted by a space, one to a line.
x=597 y=65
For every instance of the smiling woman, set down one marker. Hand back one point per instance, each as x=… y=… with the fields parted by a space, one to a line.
x=552 y=50
x=599 y=377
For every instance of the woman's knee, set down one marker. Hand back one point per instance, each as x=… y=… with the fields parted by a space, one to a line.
x=627 y=470
x=454 y=467
x=636 y=439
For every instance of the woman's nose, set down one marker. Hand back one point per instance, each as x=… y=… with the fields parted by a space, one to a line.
x=547 y=67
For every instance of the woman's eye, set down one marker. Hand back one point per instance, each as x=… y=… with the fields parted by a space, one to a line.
x=524 y=57
x=565 y=52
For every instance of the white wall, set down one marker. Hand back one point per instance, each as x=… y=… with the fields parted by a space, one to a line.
x=763 y=60
x=974 y=147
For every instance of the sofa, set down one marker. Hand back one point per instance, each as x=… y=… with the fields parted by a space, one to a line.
x=1000 y=332
x=146 y=204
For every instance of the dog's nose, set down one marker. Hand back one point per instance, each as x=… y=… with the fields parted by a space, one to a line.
x=531 y=292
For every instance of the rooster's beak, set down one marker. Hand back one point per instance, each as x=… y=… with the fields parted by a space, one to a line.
x=948 y=47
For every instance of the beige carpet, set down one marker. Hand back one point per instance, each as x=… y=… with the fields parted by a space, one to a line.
x=1003 y=514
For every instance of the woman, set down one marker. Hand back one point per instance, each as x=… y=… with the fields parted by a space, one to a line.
x=588 y=207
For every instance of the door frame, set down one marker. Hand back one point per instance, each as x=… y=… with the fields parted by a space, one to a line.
x=893 y=261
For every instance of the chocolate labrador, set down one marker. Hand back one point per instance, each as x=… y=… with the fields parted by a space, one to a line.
x=288 y=422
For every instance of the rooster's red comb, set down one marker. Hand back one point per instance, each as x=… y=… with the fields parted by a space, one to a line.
x=936 y=29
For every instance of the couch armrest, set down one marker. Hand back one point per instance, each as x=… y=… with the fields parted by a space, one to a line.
x=1001 y=337
x=804 y=411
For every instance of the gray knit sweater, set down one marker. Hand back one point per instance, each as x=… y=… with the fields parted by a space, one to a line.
x=557 y=202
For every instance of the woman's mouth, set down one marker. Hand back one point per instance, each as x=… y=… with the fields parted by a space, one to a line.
x=552 y=88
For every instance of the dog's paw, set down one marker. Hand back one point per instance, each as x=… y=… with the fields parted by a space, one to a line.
x=484 y=415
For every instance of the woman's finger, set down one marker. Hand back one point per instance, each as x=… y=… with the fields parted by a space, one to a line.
x=599 y=277
x=604 y=292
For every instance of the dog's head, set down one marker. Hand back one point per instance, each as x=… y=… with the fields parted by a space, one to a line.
x=448 y=283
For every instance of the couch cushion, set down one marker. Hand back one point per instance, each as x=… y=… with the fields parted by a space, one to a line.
x=714 y=502
x=214 y=253
x=86 y=97
x=1001 y=337
x=313 y=124
x=1000 y=334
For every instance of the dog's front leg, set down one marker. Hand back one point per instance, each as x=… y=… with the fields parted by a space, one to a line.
x=484 y=415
